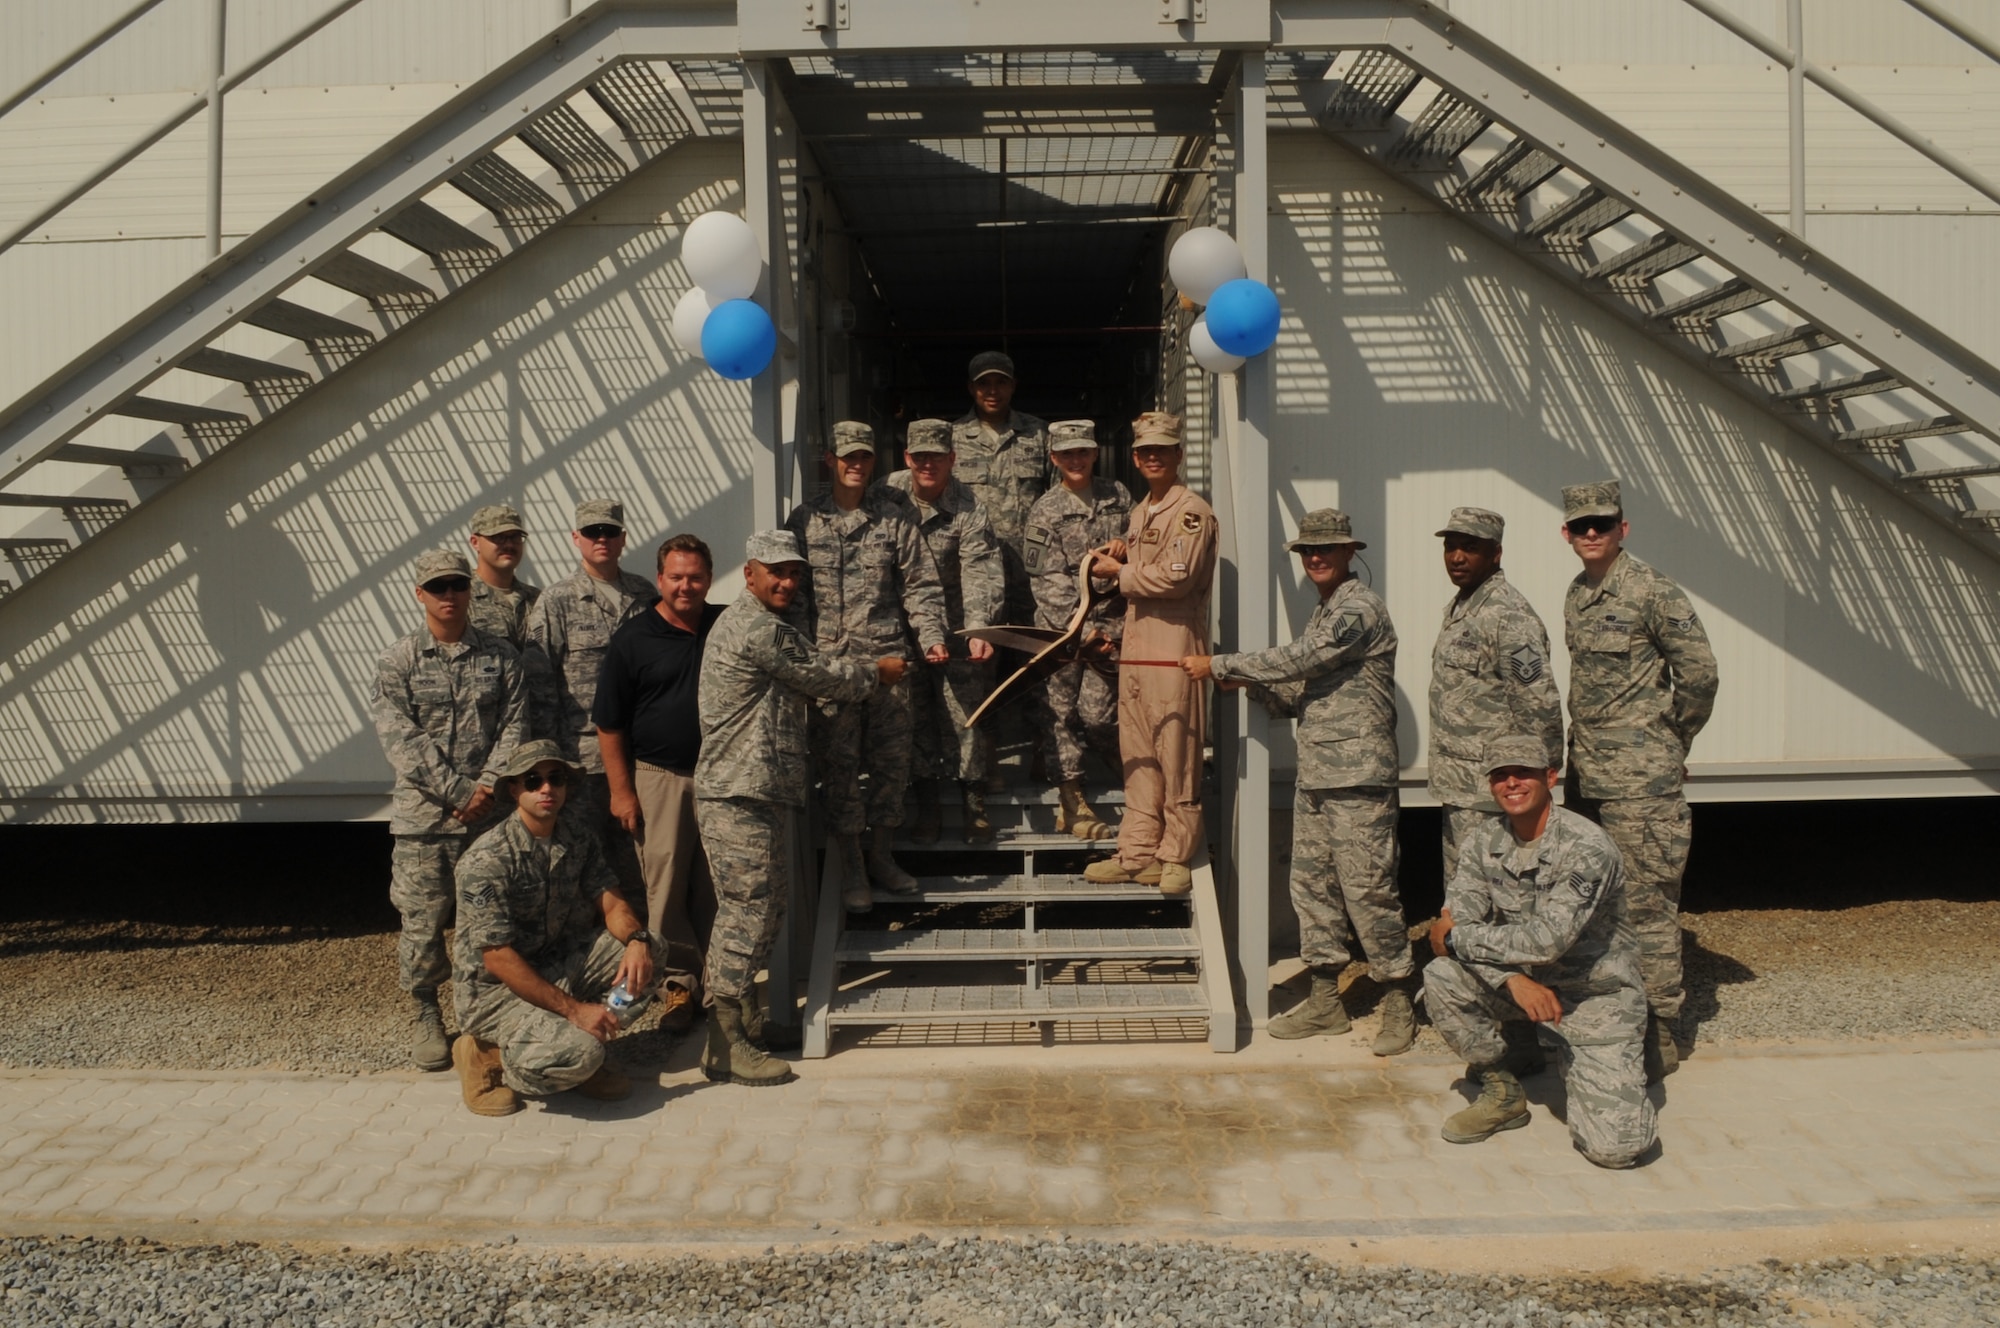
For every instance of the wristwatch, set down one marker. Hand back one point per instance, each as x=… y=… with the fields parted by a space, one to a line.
x=642 y=936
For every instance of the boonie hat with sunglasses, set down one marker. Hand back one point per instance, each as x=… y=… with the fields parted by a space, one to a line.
x=1325 y=525
x=599 y=512
x=989 y=362
x=1517 y=749
x=1599 y=499
x=850 y=436
x=497 y=519
x=434 y=563
x=531 y=754
x=927 y=436
x=1073 y=436
x=771 y=547
x=1476 y=522
x=1156 y=428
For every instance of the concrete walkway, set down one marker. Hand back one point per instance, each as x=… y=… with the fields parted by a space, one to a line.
x=1279 y=1141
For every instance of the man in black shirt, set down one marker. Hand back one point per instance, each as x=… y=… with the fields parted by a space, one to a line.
x=650 y=735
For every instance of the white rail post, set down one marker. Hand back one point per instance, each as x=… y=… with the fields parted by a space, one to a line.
x=218 y=53
x=1795 y=100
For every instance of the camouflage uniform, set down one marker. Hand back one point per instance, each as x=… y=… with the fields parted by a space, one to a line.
x=970 y=572
x=448 y=716
x=571 y=624
x=1553 y=910
x=1077 y=704
x=868 y=568
x=757 y=673
x=1338 y=680
x=1489 y=676
x=503 y=613
x=1007 y=470
x=541 y=898
x=1642 y=683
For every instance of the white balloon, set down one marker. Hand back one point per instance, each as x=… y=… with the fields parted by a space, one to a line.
x=1206 y=353
x=720 y=252
x=1203 y=259
x=689 y=314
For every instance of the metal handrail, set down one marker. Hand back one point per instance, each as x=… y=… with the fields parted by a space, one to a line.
x=1794 y=60
x=56 y=70
x=211 y=100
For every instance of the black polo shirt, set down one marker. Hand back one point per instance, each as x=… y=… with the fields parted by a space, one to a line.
x=647 y=685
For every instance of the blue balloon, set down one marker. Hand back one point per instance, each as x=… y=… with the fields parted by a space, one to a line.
x=1243 y=317
x=737 y=339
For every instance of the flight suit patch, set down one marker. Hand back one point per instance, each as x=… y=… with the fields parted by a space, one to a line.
x=1190 y=521
x=1152 y=535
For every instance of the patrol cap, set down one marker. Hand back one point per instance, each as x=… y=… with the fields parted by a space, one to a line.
x=497 y=519
x=1073 y=436
x=1599 y=499
x=599 y=512
x=928 y=436
x=434 y=563
x=851 y=436
x=1156 y=428
x=1516 y=749
x=1325 y=525
x=771 y=547
x=1476 y=522
x=531 y=754
x=989 y=362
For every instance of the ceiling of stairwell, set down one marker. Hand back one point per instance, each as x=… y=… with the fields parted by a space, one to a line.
x=1023 y=193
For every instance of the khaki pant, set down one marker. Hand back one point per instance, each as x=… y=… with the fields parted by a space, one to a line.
x=1162 y=719
x=680 y=895
x=590 y=803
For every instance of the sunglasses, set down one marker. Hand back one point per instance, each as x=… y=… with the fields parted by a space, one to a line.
x=1593 y=525
x=449 y=585
x=606 y=533
x=534 y=779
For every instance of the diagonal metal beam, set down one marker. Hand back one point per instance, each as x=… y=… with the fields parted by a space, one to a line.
x=552 y=70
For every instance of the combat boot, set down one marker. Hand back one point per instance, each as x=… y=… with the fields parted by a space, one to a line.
x=1663 y=1054
x=883 y=868
x=1399 y=1020
x=855 y=896
x=729 y=1057
x=1319 y=1014
x=429 y=1048
x=1075 y=814
x=978 y=830
x=479 y=1079
x=1501 y=1106
x=1176 y=881
x=762 y=1033
x=930 y=820
x=1109 y=871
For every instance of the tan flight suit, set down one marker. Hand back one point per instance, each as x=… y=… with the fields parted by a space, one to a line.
x=1162 y=713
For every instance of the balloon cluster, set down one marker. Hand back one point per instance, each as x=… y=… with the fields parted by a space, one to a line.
x=1241 y=319
x=718 y=321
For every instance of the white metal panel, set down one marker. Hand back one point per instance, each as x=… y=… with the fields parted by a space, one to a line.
x=1944 y=268
x=221 y=641
x=78 y=293
x=1422 y=366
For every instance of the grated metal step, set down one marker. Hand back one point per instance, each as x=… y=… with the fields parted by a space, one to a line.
x=1839 y=389
x=1639 y=264
x=132 y=463
x=1512 y=172
x=1376 y=84
x=239 y=368
x=1443 y=130
x=454 y=248
x=566 y=141
x=380 y=285
x=1013 y=1004
x=1004 y=888
x=1704 y=307
x=308 y=325
x=504 y=190
x=1568 y=225
x=1779 y=345
x=1942 y=474
x=962 y=943
x=1933 y=427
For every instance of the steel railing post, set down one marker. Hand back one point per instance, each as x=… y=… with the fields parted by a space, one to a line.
x=1795 y=102
x=216 y=70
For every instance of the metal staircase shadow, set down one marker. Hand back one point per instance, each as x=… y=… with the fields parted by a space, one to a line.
x=1717 y=283
x=513 y=156
x=1010 y=934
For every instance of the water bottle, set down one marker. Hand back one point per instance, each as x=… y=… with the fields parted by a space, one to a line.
x=623 y=1004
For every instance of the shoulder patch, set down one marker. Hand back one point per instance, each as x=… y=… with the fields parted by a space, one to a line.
x=1348 y=629
x=1190 y=521
x=1686 y=624
x=1525 y=662
x=791 y=645
x=1036 y=535
x=1585 y=887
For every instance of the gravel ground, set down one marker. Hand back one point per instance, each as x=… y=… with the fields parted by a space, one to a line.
x=205 y=997
x=965 y=1283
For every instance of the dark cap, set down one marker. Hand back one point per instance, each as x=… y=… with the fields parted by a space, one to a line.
x=531 y=754
x=989 y=362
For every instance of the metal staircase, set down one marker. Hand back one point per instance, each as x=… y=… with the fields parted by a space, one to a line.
x=1010 y=935
x=1718 y=283
x=513 y=156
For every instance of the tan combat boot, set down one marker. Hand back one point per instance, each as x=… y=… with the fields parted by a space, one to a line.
x=729 y=1057
x=978 y=830
x=855 y=896
x=883 y=868
x=1109 y=871
x=1320 y=1014
x=1501 y=1106
x=1075 y=814
x=1399 y=1020
x=930 y=819
x=478 y=1066
x=1176 y=880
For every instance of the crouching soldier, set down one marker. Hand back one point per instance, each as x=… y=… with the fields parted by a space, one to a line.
x=543 y=934
x=757 y=674
x=1534 y=928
